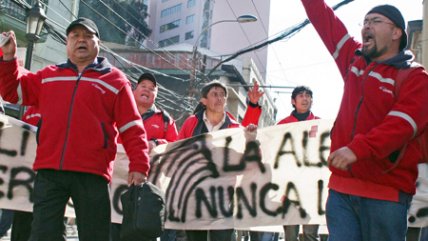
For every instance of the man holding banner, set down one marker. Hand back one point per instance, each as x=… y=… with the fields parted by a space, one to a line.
x=301 y=99
x=374 y=155
x=213 y=117
x=84 y=103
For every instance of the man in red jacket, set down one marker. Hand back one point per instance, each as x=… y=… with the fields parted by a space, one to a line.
x=160 y=126
x=212 y=117
x=84 y=103
x=160 y=129
x=374 y=154
x=212 y=111
x=301 y=99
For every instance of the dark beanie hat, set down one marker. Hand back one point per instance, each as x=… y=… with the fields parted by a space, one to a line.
x=395 y=16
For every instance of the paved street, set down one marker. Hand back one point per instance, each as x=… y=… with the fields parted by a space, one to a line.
x=71 y=234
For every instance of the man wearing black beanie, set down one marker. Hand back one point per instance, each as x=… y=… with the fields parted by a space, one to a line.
x=374 y=153
x=396 y=20
x=393 y=14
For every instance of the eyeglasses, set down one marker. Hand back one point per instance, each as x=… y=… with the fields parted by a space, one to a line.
x=374 y=22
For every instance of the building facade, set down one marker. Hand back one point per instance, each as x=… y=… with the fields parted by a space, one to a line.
x=211 y=32
x=186 y=21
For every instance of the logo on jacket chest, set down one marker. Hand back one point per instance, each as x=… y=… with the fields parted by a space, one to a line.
x=386 y=90
x=98 y=88
x=155 y=126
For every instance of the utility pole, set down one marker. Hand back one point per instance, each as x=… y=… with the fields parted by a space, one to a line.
x=195 y=57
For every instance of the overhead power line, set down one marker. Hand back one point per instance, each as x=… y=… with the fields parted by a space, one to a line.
x=287 y=34
x=245 y=33
x=264 y=86
x=109 y=8
x=169 y=58
x=167 y=99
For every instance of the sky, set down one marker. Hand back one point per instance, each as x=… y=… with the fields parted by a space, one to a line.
x=303 y=59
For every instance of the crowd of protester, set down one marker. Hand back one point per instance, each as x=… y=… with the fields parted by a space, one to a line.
x=375 y=128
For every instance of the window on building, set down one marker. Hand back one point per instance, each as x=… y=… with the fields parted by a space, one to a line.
x=189 y=19
x=188 y=35
x=169 y=41
x=150 y=60
x=171 y=10
x=191 y=3
x=169 y=26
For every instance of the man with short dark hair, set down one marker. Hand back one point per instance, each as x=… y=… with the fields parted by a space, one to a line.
x=301 y=100
x=213 y=117
x=212 y=111
x=374 y=153
x=84 y=103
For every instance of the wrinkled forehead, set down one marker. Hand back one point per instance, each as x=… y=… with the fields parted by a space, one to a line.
x=216 y=89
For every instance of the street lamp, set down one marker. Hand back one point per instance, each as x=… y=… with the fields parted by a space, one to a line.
x=35 y=19
x=241 y=19
x=247 y=18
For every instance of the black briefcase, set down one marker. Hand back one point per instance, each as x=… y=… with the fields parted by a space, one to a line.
x=143 y=212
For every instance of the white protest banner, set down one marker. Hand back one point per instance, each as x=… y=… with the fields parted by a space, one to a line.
x=223 y=179
x=17 y=153
x=219 y=180
x=418 y=212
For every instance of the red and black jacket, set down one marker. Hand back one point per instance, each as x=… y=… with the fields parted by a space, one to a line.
x=194 y=125
x=373 y=122
x=291 y=118
x=160 y=126
x=82 y=115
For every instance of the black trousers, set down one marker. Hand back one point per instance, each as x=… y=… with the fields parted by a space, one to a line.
x=21 y=226
x=215 y=235
x=90 y=196
x=115 y=233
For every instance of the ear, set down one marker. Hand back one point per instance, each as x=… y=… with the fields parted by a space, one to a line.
x=293 y=102
x=203 y=101
x=397 y=33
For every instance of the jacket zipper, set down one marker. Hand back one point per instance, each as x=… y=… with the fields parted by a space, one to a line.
x=357 y=110
x=105 y=135
x=69 y=120
x=360 y=102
